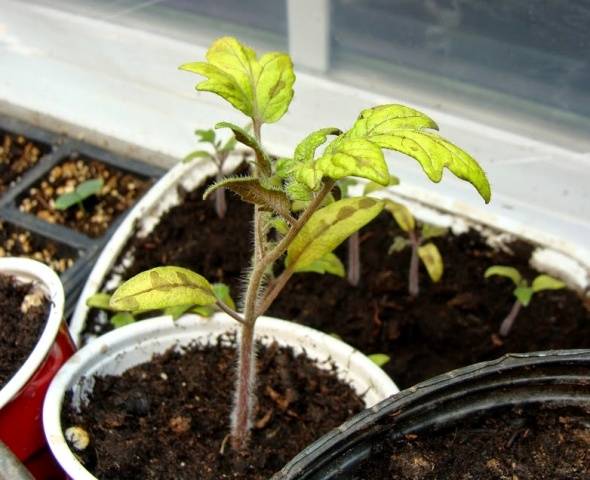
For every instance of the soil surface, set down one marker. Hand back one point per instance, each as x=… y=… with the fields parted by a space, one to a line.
x=520 y=444
x=17 y=155
x=120 y=191
x=16 y=242
x=168 y=419
x=23 y=312
x=451 y=324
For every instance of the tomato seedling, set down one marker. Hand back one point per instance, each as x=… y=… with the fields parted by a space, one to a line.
x=292 y=193
x=522 y=291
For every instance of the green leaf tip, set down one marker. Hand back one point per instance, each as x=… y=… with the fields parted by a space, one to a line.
x=82 y=192
x=379 y=359
x=261 y=88
x=505 y=271
x=546 y=282
x=160 y=288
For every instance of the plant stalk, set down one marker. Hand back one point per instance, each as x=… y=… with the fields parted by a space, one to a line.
x=354 y=260
x=508 y=322
x=413 y=276
x=245 y=395
x=245 y=398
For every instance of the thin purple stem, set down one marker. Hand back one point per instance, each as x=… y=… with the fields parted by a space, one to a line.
x=354 y=259
x=508 y=322
x=413 y=278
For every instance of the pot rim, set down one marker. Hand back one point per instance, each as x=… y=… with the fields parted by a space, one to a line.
x=359 y=371
x=506 y=372
x=28 y=270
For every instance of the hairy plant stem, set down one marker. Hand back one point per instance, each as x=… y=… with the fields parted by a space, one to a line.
x=508 y=322
x=413 y=276
x=245 y=382
x=354 y=260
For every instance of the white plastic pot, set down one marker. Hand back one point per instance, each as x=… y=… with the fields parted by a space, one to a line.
x=552 y=255
x=121 y=349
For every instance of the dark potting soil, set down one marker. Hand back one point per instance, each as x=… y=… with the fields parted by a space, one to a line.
x=120 y=191
x=17 y=155
x=168 y=419
x=23 y=312
x=518 y=444
x=17 y=242
x=451 y=324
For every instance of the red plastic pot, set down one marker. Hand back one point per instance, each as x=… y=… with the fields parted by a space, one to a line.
x=21 y=399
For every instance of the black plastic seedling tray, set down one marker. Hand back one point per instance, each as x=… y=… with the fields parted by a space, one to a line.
x=61 y=148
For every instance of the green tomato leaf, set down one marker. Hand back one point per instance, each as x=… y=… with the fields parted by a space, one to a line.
x=250 y=190
x=328 y=227
x=242 y=136
x=329 y=263
x=399 y=244
x=99 y=300
x=221 y=291
x=546 y=282
x=432 y=231
x=260 y=88
x=204 y=310
x=432 y=260
x=89 y=188
x=177 y=311
x=196 y=154
x=121 y=319
x=524 y=295
x=374 y=187
x=206 y=136
x=65 y=201
x=353 y=157
x=505 y=271
x=401 y=214
x=305 y=151
x=402 y=129
x=379 y=359
x=280 y=225
x=160 y=288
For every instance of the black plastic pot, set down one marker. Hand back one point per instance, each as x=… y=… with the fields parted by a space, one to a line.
x=554 y=378
x=58 y=149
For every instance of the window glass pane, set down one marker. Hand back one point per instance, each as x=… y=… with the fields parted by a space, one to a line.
x=536 y=51
x=200 y=21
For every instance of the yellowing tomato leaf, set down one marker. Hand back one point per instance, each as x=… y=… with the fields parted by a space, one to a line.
x=403 y=129
x=328 y=227
x=329 y=263
x=162 y=287
x=401 y=214
x=432 y=260
x=261 y=88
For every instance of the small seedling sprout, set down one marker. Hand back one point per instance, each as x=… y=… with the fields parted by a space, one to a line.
x=428 y=253
x=219 y=155
x=262 y=89
x=82 y=192
x=522 y=291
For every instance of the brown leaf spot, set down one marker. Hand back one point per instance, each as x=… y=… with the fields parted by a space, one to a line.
x=367 y=202
x=345 y=212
